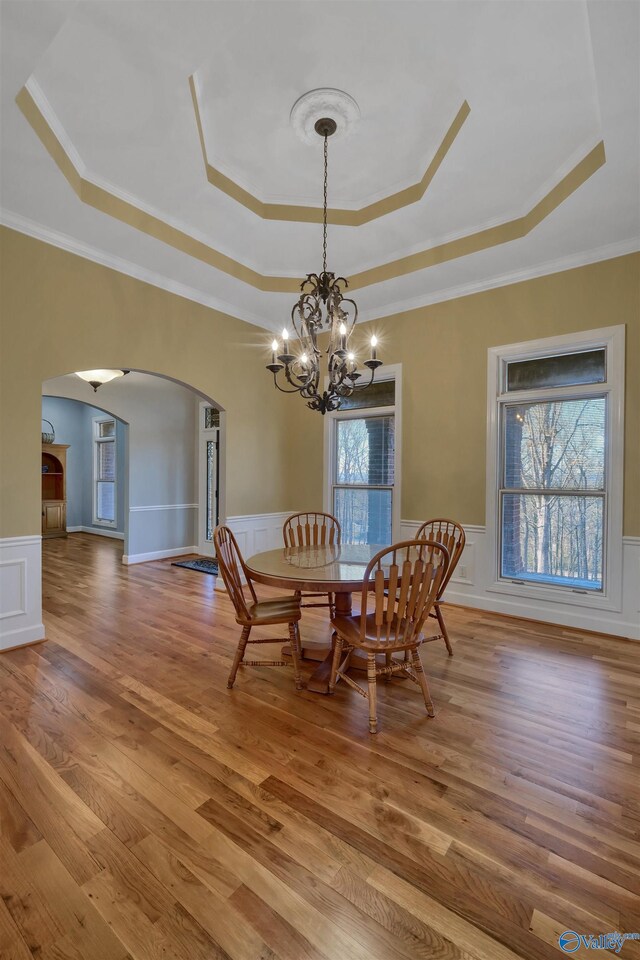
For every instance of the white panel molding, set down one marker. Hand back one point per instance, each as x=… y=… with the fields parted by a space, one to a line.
x=258 y=531
x=20 y=591
x=13 y=588
x=165 y=506
x=130 y=559
x=112 y=534
x=255 y=533
x=469 y=588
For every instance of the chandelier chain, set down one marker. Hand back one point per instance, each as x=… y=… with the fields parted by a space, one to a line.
x=324 y=210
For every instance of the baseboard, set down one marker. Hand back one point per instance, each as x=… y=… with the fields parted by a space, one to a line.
x=98 y=531
x=574 y=620
x=471 y=586
x=21 y=637
x=130 y=559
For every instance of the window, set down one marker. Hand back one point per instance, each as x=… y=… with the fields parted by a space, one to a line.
x=555 y=466
x=104 y=448
x=362 y=464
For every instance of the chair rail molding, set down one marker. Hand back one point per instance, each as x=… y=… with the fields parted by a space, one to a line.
x=20 y=591
x=470 y=582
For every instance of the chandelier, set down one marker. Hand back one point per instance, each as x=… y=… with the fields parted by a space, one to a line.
x=322 y=308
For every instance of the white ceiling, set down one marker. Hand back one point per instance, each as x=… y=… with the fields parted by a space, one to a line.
x=545 y=81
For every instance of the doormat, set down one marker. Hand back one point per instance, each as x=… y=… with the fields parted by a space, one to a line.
x=203 y=564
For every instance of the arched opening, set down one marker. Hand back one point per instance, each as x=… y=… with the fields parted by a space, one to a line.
x=147 y=466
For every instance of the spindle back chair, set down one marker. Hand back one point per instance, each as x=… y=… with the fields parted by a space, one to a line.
x=413 y=570
x=452 y=536
x=251 y=612
x=313 y=529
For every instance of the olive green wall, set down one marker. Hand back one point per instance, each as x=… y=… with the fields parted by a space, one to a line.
x=61 y=313
x=443 y=351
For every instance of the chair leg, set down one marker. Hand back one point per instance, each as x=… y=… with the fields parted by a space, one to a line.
x=443 y=629
x=371 y=677
x=422 y=680
x=294 y=642
x=335 y=663
x=387 y=659
x=237 y=660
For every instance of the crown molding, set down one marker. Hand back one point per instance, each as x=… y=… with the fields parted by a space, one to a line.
x=57 y=239
x=21 y=224
x=548 y=267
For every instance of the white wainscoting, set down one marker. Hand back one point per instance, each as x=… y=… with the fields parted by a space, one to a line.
x=259 y=531
x=20 y=591
x=468 y=587
x=255 y=533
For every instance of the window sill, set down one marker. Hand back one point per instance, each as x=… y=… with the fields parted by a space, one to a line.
x=557 y=595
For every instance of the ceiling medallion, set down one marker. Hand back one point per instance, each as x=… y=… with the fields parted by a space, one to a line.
x=320 y=103
x=322 y=308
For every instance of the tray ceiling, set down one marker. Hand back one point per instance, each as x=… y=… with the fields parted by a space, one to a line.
x=495 y=141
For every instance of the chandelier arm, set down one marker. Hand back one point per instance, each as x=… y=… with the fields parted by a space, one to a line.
x=283 y=390
x=363 y=386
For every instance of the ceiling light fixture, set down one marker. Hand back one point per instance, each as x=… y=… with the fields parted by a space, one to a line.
x=97 y=377
x=322 y=307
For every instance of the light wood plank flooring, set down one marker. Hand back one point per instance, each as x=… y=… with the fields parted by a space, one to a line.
x=148 y=812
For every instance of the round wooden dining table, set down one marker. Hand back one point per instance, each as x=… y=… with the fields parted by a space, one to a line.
x=337 y=569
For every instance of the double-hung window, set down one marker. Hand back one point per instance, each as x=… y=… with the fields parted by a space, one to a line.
x=362 y=463
x=555 y=467
x=104 y=472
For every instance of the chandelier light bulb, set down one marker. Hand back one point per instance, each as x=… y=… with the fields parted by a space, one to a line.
x=350 y=357
x=274 y=345
x=285 y=334
x=343 y=330
x=374 y=341
x=304 y=359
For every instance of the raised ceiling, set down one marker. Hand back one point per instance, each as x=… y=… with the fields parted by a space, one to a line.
x=496 y=141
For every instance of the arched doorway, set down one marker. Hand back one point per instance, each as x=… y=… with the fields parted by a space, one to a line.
x=174 y=480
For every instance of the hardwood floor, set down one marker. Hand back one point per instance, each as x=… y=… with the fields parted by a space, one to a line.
x=148 y=812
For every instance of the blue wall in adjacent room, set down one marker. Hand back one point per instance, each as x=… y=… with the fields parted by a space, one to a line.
x=73 y=424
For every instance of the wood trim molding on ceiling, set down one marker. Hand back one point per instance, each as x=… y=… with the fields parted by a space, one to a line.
x=127 y=212
x=343 y=218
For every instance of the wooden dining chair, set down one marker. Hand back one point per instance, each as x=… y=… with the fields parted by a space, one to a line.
x=251 y=612
x=314 y=529
x=451 y=535
x=415 y=570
